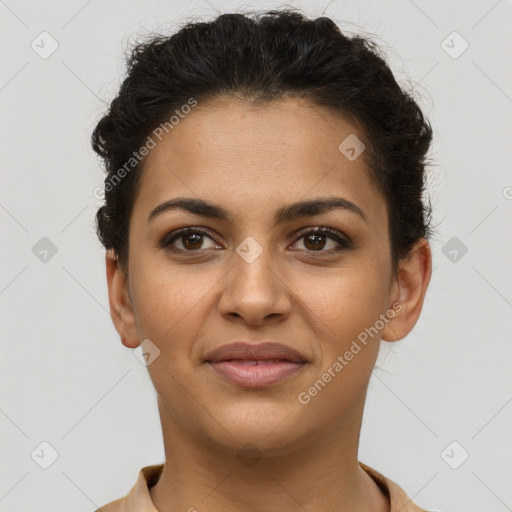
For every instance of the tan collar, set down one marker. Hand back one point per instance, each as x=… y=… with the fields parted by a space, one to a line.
x=399 y=500
x=139 y=500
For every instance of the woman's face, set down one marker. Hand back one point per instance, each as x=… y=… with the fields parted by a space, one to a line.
x=255 y=277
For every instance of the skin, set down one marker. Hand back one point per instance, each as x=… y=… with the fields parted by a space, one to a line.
x=251 y=161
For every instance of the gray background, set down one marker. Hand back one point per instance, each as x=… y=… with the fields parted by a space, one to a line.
x=65 y=377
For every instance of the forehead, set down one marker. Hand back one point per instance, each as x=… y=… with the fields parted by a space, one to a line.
x=253 y=157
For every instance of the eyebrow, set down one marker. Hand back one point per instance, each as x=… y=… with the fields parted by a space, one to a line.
x=289 y=213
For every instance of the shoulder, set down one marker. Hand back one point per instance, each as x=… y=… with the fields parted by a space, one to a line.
x=113 y=506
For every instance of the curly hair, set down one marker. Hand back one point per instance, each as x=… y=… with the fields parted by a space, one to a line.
x=260 y=58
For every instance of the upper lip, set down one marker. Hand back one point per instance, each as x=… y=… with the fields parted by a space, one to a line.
x=255 y=352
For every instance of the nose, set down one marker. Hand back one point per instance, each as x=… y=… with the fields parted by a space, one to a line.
x=254 y=292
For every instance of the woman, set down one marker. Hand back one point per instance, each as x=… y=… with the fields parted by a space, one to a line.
x=265 y=229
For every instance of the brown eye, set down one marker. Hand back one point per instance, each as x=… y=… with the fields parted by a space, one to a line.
x=192 y=239
x=316 y=240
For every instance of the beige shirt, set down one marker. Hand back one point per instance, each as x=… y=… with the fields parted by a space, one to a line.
x=139 y=500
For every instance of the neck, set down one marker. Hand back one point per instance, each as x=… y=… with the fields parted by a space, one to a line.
x=322 y=474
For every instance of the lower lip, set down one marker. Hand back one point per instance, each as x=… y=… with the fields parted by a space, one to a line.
x=250 y=375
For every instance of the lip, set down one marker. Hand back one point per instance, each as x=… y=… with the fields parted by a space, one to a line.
x=255 y=352
x=255 y=365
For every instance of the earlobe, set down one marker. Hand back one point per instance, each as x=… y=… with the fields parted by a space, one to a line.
x=411 y=286
x=121 y=310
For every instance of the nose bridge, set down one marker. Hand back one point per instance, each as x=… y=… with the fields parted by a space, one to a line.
x=252 y=273
x=253 y=290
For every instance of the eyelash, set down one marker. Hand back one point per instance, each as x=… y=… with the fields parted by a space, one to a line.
x=344 y=242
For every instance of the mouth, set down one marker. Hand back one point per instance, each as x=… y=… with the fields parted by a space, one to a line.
x=254 y=366
x=255 y=374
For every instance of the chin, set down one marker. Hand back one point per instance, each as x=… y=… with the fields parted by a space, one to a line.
x=270 y=428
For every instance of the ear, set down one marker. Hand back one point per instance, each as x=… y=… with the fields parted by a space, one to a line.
x=408 y=291
x=121 y=310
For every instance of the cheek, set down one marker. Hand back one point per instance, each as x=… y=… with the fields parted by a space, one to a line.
x=168 y=300
x=345 y=301
x=342 y=310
